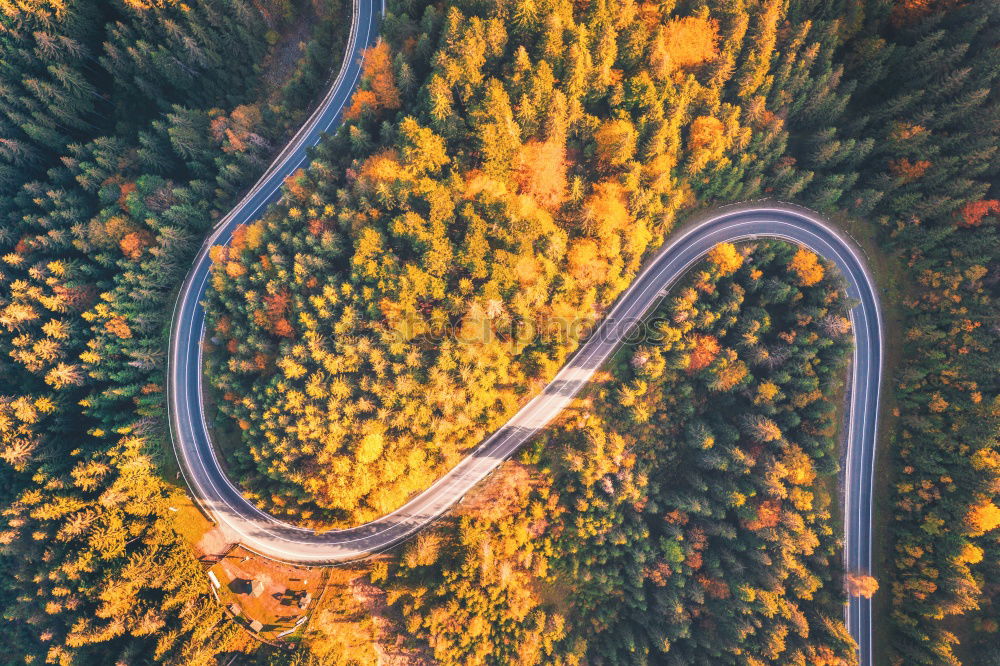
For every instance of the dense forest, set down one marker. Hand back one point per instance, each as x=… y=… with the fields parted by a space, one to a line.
x=417 y=281
x=516 y=175
x=649 y=527
x=505 y=166
x=126 y=128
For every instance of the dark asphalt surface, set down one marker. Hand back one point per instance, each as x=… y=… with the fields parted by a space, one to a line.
x=263 y=534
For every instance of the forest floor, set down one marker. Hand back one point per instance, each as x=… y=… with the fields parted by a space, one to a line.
x=390 y=641
x=224 y=432
x=288 y=48
x=290 y=45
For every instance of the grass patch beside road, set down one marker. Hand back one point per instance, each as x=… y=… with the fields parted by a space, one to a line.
x=189 y=521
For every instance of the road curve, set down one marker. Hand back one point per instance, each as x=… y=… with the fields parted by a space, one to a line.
x=266 y=535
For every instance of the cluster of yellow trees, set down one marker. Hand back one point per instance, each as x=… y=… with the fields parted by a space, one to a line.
x=377 y=325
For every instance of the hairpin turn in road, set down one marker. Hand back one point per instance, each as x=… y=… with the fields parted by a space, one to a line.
x=270 y=537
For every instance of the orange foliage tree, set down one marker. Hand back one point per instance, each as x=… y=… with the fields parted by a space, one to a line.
x=861 y=585
x=132 y=244
x=236 y=131
x=908 y=12
x=276 y=305
x=768 y=515
x=972 y=214
x=381 y=92
x=908 y=171
x=118 y=327
x=705 y=350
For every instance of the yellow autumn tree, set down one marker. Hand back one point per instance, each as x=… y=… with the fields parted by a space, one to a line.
x=616 y=142
x=585 y=264
x=763 y=429
x=542 y=172
x=606 y=212
x=706 y=142
x=982 y=517
x=798 y=465
x=806 y=267
x=766 y=392
x=369 y=448
x=726 y=258
x=690 y=41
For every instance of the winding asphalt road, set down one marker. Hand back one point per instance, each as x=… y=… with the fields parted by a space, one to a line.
x=272 y=538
